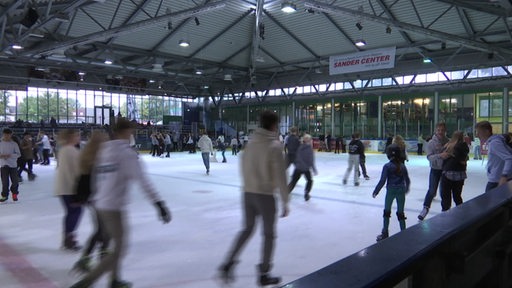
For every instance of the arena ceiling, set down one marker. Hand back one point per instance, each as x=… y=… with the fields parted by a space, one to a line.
x=240 y=45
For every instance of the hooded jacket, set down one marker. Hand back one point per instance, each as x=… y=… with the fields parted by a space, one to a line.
x=500 y=158
x=435 y=147
x=205 y=144
x=263 y=165
x=305 y=158
x=116 y=165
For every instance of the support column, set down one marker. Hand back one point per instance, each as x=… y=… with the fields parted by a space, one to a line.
x=505 y=110
x=293 y=114
x=332 y=117
x=247 y=120
x=436 y=108
x=379 y=118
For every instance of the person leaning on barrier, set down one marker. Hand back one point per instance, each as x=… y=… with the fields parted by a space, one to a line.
x=499 y=164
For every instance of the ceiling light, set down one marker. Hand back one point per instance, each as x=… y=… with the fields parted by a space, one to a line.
x=206 y=86
x=184 y=43
x=427 y=60
x=288 y=7
x=359 y=26
x=16 y=46
x=388 y=30
x=151 y=81
x=199 y=72
x=108 y=61
x=360 y=43
x=81 y=73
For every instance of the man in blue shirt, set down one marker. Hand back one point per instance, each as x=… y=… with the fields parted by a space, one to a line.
x=499 y=164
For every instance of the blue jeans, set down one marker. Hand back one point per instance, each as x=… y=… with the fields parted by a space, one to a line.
x=206 y=160
x=12 y=174
x=477 y=153
x=433 y=183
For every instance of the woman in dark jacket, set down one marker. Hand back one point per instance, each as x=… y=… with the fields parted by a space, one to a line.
x=454 y=171
x=304 y=163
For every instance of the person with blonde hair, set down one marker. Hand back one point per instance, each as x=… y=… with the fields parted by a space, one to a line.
x=87 y=160
x=304 y=163
x=454 y=171
x=68 y=171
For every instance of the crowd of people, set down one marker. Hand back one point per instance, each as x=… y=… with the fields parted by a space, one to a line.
x=95 y=177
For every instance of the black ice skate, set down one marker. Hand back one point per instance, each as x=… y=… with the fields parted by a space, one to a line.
x=83 y=265
x=226 y=272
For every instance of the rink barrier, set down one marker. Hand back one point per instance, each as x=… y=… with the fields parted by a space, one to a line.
x=468 y=246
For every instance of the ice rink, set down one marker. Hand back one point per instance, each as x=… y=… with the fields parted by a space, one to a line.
x=338 y=220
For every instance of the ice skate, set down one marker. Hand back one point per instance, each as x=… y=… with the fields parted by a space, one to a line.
x=226 y=273
x=82 y=266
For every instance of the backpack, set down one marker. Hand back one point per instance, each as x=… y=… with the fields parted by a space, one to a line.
x=83 y=189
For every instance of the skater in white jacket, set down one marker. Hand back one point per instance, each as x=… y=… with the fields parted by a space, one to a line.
x=116 y=163
x=206 y=146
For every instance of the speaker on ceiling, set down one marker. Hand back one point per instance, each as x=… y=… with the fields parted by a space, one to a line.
x=30 y=18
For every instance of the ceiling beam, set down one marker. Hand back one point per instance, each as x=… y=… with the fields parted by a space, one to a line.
x=258 y=31
x=294 y=37
x=477 y=45
x=215 y=37
x=488 y=8
x=126 y=29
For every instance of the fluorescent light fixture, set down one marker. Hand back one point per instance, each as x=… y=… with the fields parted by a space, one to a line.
x=288 y=7
x=151 y=81
x=206 y=86
x=108 y=62
x=184 y=43
x=427 y=60
x=199 y=72
x=81 y=73
x=360 y=43
x=36 y=34
x=16 y=46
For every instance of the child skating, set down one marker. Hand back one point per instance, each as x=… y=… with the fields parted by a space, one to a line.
x=398 y=183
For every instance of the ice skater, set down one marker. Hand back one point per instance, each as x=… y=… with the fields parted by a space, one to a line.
x=264 y=172
x=355 y=150
x=116 y=163
x=395 y=174
x=454 y=171
x=206 y=146
x=304 y=163
x=84 y=191
x=68 y=171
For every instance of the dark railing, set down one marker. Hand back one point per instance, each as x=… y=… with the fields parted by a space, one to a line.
x=467 y=246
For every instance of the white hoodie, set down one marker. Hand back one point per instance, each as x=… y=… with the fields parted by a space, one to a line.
x=116 y=165
x=205 y=144
x=263 y=165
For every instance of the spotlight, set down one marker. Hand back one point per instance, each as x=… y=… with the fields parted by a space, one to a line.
x=427 y=60
x=81 y=73
x=288 y=7
x=197 y=21
x=359 y=26
x=360 y=43
x=184 y=43
x=388 y=30
x=108 y=61
x=199 y=72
